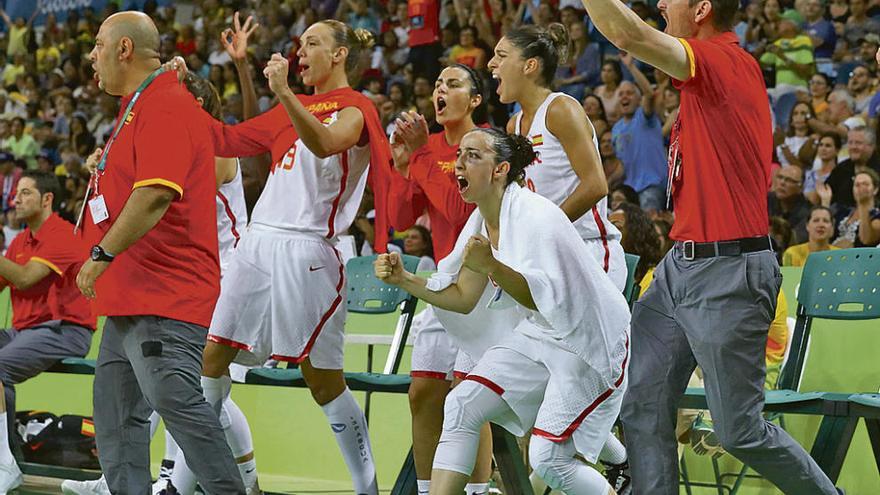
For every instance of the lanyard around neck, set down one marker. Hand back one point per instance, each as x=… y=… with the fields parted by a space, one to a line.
x=102 y=164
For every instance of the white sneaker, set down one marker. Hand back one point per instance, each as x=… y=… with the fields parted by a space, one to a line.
x=91 y=487
x=10 y=477
x=159 y=485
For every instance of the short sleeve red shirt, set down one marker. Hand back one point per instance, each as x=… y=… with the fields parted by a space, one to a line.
x=424 y=22
x=173 y=270
x=56 y=297
x=721 y=145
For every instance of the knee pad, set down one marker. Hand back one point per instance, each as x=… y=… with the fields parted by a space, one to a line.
x=462 y=411
x=551 y=461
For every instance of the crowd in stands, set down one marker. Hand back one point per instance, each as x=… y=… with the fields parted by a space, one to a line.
x=818 y=59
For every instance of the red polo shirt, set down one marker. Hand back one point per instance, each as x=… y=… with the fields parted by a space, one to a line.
x=724 y=141
x=56 y=296
x=431 y=185
x=173 y=270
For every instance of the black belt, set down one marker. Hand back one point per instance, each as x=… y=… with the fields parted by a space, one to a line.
x=692 y=250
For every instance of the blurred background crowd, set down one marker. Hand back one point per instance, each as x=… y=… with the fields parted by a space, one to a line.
x=818 y=59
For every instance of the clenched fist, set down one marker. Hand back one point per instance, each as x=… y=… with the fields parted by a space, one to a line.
x=389 y=268
x=276 y=72
x=478 y=254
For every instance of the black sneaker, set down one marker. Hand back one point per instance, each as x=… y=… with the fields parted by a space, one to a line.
x=618 y=477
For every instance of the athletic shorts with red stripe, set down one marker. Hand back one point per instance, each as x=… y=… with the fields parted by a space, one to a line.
x=282 y=297
x=434 y=353
x=610 y=256
x=552 y=391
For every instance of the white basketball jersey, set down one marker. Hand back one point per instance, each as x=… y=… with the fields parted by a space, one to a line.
x=551 y=174
x=308 y=194
x=231 y=216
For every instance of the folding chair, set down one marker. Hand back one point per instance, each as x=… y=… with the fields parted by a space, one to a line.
x=631 y=290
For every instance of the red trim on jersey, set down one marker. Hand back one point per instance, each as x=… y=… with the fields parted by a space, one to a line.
x=603 y=234
x=331 y=230
x=231 y=216
x=436 y=375
x=486 y=382
x=327 y=315
x=586 y=412
x=230 y=343
x=461 y=375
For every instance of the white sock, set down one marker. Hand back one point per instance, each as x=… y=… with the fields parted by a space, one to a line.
x=424 y=486
x=350 y=427
x=154 y=423
x=171 y=447
x=248 y=471
x=5 y=453
x=613 y=452
x=476 y=488
x=238 y=436
x=216 y=391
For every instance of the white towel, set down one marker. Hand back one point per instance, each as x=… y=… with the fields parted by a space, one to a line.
x=578 y=305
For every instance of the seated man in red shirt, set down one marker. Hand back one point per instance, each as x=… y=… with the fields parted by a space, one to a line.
x=51 y=319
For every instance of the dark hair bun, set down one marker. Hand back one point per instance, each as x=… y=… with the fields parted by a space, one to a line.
x=558 y=35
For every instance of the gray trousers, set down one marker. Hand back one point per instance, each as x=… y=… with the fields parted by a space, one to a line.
x=151 y=363
x=26 y=353
x=715 y=312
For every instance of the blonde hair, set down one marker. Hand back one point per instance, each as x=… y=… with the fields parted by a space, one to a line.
x=356 y=40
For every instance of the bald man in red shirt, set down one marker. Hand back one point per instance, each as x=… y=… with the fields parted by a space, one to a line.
x=714 y=294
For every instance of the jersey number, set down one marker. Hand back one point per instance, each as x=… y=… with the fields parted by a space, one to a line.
x=286 y=162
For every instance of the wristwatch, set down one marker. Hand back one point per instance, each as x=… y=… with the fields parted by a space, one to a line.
x=98 y=254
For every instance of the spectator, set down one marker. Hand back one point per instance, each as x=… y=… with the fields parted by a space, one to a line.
x=418 y=243
x=639 y=237
x=859 y=24
x=611 y=76
x=186 y=41
x=466 y=52
x=791 y=54
x=622 y=194
x=820 y=88
x=859 y=87
x=81 y=140
x=821 y=33
x=18 y=31
x=781 y=235
x=787 y=200
x=668 y=102
x=861 y=143
x=638 y=140
x=10 y=173
x=595 y=110
x=613 y=167
x=828 y=148
x=836 y=118
x=860 y=225
x=764 y=27
x=424 y=37
x=789 y=143
x=820 y=230
x=582 y=70
x=21 y=144
x=663 y=227
x=361 y=15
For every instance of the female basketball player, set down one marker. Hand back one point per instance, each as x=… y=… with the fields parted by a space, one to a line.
x=561 y=371
x=426 y=180
x=282 y=295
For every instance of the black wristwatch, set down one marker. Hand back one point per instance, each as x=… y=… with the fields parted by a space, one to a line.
x=98 y=254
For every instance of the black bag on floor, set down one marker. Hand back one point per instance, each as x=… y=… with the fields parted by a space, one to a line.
x=67 y=440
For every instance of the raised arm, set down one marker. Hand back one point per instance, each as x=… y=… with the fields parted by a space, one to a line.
x=642 y=82
x=320 y=140
x=235 y=41
x=5 y=17
x=567 y=120
x=625 y=30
